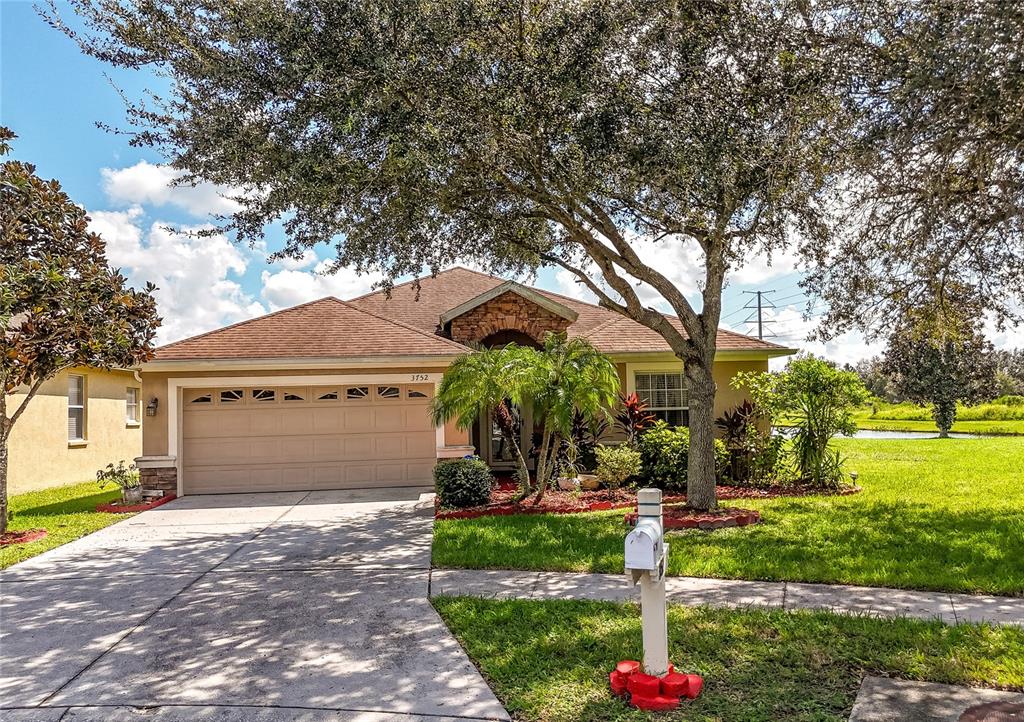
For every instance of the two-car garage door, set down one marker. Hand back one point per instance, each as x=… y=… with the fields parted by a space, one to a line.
x=282 y=438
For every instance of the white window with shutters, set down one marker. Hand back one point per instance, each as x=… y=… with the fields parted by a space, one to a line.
x=131 y=405
x=76 y=408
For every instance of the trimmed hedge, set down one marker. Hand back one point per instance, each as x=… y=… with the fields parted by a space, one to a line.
x=462 y=483
x=664 y=451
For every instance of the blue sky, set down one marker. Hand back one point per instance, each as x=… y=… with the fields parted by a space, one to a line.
x=52 y=96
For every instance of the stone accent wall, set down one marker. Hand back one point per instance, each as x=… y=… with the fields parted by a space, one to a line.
x=509 y=311
x=160 y=479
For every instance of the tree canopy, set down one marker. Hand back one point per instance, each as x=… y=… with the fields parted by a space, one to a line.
x=61 y=305
x=941 y=358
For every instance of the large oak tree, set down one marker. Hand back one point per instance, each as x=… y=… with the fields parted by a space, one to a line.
x=61 y=305
x=513 y=133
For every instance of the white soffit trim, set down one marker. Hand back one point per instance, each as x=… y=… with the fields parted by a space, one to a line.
x=520 y=290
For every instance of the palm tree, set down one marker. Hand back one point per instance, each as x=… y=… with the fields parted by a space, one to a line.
x=484 y=383
x=568 y=377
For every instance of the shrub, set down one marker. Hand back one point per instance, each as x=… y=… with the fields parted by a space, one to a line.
x=1009 y=400
x=124 y=476
x=615 y=464
x=664 y=451
x=819 y=400
x=461 y=483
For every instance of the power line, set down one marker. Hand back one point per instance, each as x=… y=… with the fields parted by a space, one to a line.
x=761 y=304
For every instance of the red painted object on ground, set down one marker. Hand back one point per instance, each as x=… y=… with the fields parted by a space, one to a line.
x=118 y=508
x=22 y=537
x=654 y=694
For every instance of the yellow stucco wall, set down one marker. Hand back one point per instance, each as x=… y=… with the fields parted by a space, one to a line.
x=40 y=454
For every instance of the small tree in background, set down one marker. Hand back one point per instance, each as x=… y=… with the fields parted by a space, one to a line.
x=60 y=304
x=819 y=400
x=941 y=359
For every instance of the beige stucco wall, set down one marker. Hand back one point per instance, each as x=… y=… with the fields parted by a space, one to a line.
x=40 y=454
x=726 y=397
x=154 y=385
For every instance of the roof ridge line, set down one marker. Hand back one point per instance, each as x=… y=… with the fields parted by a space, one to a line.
x=401 y=324
x=420 y=278
x=241 y=323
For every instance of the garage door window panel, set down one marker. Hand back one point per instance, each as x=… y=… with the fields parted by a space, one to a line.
x=232 y=396
x=294 y=395
x=389 y=393
x=357 y=393
x=264 y=396
x=326 y=395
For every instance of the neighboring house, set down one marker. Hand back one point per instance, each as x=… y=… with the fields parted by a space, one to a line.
x=334 y=394
x=78 y=422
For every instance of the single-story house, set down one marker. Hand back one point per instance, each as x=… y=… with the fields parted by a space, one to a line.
x=78 y=422
x=334 y=394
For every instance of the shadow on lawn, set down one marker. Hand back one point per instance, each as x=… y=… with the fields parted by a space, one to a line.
x=69 y=506
x=550 y=660
x=891 y=544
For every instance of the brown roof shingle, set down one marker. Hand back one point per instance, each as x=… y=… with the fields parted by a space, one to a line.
x=327 y=328
x=607 y=330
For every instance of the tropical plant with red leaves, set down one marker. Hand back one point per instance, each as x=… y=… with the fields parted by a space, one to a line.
x=633 y=417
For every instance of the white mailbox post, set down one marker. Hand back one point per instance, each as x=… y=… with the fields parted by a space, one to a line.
x=646 y=555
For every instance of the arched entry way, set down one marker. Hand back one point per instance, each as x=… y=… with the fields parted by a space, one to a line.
x=504 y=337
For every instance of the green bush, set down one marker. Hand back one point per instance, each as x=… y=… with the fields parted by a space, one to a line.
x=664 y=451
x=462 y=483
x=615 y=464
x=1009 y=400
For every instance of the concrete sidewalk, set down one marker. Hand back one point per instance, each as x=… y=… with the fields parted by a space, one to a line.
x=695 y=591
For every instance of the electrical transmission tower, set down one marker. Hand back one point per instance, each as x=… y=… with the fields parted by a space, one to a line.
x=757 y=305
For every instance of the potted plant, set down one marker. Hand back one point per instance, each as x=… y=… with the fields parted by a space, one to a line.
x=125 y=476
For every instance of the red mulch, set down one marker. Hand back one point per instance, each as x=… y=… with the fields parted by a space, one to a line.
x=21 y=537
x=119 y=507
x=567 y=502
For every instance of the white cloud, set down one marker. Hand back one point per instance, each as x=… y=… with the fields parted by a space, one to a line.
x=196 y=276
x=146 y=183
x=307 y=259
x=290 y=287
x=762 y=267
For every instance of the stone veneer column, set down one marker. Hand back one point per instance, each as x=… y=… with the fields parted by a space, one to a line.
x=158 y=473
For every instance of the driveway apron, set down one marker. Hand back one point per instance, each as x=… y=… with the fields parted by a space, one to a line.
x=287 y=606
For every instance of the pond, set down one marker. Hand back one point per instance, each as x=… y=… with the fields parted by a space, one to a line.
x=879 y=434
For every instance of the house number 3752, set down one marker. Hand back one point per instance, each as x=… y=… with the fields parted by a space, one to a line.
x=418 y=377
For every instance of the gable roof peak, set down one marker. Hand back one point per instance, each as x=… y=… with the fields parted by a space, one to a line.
x=525 y=292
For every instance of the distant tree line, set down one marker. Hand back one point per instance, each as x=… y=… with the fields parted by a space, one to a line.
x=1008 y=378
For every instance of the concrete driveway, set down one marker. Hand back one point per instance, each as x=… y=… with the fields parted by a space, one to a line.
x=238 y=608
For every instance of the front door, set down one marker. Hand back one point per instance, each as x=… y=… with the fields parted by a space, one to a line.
x=494 y=447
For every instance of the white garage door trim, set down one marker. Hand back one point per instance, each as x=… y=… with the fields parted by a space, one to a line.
x=175 y=386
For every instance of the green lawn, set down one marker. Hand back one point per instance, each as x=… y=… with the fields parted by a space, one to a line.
x=941 y=514
x=549 y=660
x=67 y=512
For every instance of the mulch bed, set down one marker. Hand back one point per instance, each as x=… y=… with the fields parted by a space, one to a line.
x=21 y=537
x=567 y=502
x=119 y=507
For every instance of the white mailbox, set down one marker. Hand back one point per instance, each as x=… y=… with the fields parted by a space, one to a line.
x=644 y=545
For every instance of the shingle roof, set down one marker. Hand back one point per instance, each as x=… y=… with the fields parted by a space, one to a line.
x=327 y=328
x=607 y=330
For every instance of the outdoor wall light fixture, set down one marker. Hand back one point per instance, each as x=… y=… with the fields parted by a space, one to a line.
x=151 y=406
